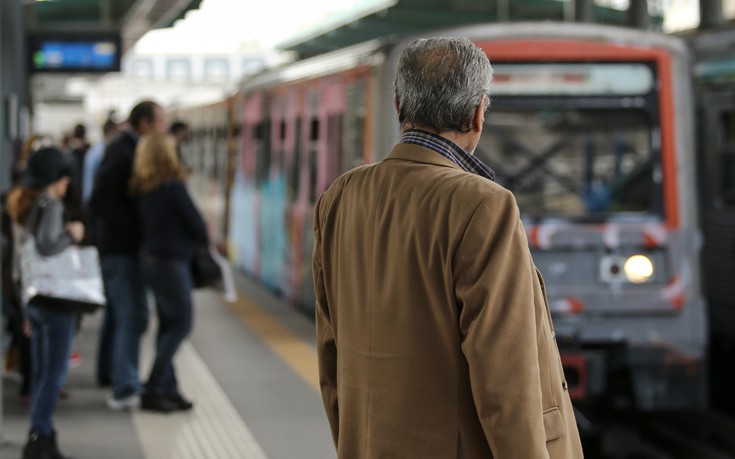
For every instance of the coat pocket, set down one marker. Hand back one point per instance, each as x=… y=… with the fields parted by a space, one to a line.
x=553 y=424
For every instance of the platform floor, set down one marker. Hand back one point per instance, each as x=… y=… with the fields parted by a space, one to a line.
x=249 y=366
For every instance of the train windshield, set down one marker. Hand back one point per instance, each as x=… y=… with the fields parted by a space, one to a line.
x=576 y=140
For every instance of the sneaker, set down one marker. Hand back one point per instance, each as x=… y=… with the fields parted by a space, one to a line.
x=75 y=359
x=129 y=402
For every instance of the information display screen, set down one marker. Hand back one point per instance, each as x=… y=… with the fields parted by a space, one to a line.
x=95 y=54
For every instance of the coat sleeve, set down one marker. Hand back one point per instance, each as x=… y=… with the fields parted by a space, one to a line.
x=494 y=288
x=50 y=233
x=325 y=332
x=190 y=215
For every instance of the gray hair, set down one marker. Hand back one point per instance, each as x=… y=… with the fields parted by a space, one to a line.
x=440 y=82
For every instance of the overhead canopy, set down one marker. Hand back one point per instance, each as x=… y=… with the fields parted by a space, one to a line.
x=131 y=18
x=375 y=18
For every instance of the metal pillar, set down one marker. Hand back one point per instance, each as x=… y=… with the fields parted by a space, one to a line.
x=638 y=17
x=503 y=11
x=710 y=14
x=4 y=179
x=14 y=99
x=579 y=11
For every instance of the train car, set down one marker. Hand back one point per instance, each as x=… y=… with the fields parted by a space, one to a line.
x=208 y=155
x=592 y=129
x=714 y=74
x=302 y=126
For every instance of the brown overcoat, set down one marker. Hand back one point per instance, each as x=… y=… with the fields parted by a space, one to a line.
x=433 y=330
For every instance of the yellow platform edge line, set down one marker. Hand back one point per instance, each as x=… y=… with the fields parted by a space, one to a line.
x=299 y=355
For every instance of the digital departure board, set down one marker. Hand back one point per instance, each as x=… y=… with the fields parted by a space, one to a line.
x=84 y=53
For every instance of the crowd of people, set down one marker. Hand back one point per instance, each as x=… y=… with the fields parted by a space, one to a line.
x=126 y=196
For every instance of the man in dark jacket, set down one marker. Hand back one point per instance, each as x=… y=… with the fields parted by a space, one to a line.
x=117 y=232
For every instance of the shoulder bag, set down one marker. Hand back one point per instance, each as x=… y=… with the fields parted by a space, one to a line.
x=205 y=271
x=71 y=279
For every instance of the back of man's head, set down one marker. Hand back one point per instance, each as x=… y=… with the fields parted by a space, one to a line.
x=79 y=131
x=109 y=127
x=178 y=126
x=440 y=82
x=143 y=111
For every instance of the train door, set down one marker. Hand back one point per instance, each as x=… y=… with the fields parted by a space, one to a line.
x=717 y=192
x=243 y=227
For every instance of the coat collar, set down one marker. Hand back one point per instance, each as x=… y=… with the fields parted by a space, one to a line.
x=419 y=154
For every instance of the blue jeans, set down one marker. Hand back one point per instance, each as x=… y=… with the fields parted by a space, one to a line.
x=52 y=330
x=126 y=318
x=170 y=280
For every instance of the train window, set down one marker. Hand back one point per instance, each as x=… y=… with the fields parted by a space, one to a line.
x=293 y=168
x=313 y=155
x=355 y=124
x=314 y=131
x=143 y=68
x=278 y=161
x=727 y=159
x=178 y=69
x=216 y=69
x=334 y=146
x=263 y=153
x=221 y=154
x=574 y=162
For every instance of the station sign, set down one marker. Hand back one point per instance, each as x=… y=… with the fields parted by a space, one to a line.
x=74 y=53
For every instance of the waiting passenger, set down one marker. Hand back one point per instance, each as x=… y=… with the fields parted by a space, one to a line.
x=37 y=208
x=172 y=230
x=433 y=333
x=180 y=131
x=93 y=158
x=117 y=235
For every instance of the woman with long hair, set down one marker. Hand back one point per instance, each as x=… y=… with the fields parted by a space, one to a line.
x=172 y=230
x=37 y=209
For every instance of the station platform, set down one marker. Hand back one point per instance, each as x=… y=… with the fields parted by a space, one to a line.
x=250 y=367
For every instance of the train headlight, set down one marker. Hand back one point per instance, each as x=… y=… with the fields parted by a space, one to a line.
x=638 y=269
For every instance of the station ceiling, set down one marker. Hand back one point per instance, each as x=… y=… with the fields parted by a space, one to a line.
x=377 y=18
x=131 y=18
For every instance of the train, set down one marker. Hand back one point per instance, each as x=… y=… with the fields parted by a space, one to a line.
x=714 y=77
x=597 y=130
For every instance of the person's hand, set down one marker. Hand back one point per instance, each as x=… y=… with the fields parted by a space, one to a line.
x=26 y=328
x=76 y=230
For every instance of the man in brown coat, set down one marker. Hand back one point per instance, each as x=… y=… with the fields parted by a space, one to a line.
x=433 y=329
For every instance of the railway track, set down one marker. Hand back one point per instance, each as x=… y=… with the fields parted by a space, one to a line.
x=691 y=435
x=672 y=435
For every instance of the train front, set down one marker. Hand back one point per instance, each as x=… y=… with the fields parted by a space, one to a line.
x=593 y=133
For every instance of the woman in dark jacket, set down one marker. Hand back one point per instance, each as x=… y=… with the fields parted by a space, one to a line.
x=172 y=230
x=37 y=209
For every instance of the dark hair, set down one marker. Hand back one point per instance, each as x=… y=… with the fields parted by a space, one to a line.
x=178 y=126
x=45 y=166
x=108 y=127
x=80 y=131
x=145 y=110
